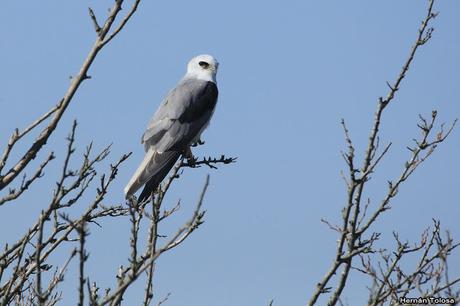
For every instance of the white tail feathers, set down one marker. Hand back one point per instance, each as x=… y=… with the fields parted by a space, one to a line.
x=142 y=175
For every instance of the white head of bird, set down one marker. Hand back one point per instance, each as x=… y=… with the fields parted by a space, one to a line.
x=203 y=67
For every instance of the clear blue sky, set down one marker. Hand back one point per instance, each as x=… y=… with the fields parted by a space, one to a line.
x=289 y=71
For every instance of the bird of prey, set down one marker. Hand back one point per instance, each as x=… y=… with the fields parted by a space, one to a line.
x=178 y=122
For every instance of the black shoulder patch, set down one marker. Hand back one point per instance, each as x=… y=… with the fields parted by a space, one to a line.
x=204 y=102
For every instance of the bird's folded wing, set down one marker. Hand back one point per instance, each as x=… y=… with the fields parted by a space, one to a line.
x=181 y=115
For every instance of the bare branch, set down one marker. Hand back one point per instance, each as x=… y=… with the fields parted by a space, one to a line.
x=128 y=276
x=97 y=28
x=26 y=263
x=25 y=184
x=123 y=22
x=82 y=75
x=58 y=277
x=210 y=162
x=164 y=299
x=81 y=229
x=352 y=242
x=16 y=136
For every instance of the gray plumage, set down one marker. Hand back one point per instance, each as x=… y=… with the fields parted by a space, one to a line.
x=179 y=121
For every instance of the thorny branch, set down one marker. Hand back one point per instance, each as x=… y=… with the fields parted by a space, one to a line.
x=355 y=223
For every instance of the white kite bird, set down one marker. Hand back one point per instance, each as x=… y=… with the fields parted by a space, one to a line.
x=179 y=121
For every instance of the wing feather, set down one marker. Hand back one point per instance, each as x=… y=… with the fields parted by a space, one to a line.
x=181 y=115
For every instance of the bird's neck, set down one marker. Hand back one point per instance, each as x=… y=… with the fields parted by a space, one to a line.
x=205 y=76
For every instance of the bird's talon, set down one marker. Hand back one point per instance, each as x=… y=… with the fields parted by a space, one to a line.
x=191 y=160
x=197 y=143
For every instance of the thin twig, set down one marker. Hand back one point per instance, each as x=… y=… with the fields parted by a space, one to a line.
x=82 y=75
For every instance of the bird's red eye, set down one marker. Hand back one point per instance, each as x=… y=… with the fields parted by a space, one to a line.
x=204 y=64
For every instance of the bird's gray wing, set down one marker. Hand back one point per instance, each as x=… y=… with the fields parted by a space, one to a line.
x=181 y=117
